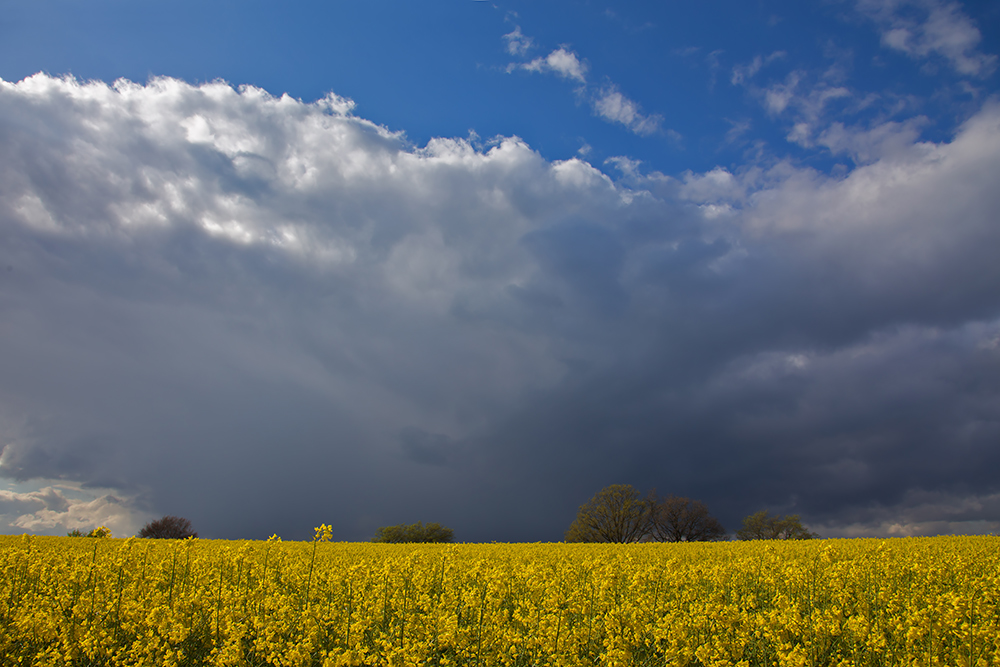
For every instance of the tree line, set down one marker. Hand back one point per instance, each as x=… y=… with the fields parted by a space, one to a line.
x=619 y=513
x=178 y=528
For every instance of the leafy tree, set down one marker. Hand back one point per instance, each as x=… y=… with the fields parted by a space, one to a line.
x=416 y=532
x=616 y=514
x=168 y=528
x=675 y=519
x=74 y=533
x=763 y=526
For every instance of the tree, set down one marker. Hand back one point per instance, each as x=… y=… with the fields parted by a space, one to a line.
x=616 y=514
x=168 y=528
x=674 y=519
x=417 y=532
x=762 y=526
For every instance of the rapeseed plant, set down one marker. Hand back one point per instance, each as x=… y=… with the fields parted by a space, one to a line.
x=921 y=601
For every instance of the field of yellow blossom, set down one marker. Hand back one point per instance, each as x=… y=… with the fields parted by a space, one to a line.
x=919 y=601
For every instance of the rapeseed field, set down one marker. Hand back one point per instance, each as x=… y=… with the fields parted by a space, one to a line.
x=919 y=601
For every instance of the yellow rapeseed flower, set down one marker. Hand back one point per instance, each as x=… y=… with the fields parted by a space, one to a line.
x=919 y=601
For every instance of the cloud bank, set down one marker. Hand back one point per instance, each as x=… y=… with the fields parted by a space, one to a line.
x=264 y=314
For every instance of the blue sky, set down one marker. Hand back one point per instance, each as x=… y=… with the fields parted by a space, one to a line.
x=486 y=258
x=443 y=69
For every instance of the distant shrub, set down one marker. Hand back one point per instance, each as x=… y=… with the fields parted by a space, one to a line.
x=100 y=531
x=417 y=532
x=763 y=526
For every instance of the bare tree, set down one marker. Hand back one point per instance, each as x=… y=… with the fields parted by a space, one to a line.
x=676 y=519
x=616 y=514
x=168 y=528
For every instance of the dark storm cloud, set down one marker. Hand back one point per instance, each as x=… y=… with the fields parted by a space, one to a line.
x=426 y=448
x=263 y=315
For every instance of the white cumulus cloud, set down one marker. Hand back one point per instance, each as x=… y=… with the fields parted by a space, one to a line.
x=610 y=104
x=57 y=509
x=563 y=62
x=518 y=44
x=920 y=28
x=607 y=101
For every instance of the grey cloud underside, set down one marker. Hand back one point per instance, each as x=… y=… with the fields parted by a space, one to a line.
x=263 y=314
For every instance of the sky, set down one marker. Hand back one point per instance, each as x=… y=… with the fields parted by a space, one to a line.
x=270 y=265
